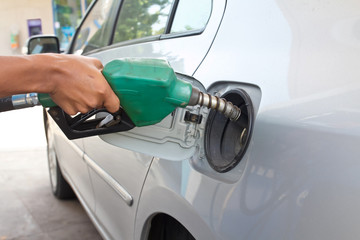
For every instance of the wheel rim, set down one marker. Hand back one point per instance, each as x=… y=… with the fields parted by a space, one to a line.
x=52 y=169
x=52 y=164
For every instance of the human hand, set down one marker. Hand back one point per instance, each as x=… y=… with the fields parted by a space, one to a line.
x=79 y=86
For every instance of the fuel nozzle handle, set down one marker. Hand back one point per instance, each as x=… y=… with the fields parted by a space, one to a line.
x=213 y=102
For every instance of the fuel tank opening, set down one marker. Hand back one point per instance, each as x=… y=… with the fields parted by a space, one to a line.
x=226 y=141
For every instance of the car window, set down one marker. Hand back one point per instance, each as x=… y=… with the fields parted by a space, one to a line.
x=191 y=15
x=142 y=18
x=96 y=30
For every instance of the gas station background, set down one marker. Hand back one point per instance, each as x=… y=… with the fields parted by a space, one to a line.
x=20 y=19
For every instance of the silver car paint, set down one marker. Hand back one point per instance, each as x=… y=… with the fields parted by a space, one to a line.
x=300 y=180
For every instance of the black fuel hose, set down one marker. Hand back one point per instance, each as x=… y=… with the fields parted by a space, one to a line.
x=6 y=104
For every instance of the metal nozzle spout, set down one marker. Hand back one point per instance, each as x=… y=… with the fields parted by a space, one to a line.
x=219 y=104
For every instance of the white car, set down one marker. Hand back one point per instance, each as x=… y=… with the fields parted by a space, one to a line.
x=289 y=168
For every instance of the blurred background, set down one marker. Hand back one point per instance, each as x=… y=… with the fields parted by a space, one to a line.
x=20 y=19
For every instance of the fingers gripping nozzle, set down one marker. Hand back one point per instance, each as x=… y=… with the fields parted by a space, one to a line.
x=219 y=104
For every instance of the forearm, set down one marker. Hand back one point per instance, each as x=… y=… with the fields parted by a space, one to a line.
x=75 y=83
x=23 y=74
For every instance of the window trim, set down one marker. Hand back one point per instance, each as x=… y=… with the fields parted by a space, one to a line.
x=171 y=16
x=183 y=34
x=93 y=3
x=111 y=41
x=71 y=48
x=147 y=39
x=126 y=43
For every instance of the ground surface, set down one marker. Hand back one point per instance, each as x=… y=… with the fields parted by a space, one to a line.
x=28 y=209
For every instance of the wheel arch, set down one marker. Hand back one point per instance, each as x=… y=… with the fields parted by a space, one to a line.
x=162 y=201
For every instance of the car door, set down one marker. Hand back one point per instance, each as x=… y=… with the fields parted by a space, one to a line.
x=100 y=17
x=119 y=162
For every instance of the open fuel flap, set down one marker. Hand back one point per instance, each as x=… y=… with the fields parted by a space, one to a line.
x=226 y=141
x=224 y=145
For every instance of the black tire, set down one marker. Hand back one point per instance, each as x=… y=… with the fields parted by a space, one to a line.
x=59 y=186
x=164 y=227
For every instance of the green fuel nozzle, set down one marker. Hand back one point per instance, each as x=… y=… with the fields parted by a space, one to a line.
x=149 y=90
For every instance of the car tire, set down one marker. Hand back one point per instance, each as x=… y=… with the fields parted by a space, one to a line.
x=59 y=186
x=164 y=227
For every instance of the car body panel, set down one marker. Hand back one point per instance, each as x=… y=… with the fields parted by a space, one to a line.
x=173 y=187
x=70 y=157
x=300 y=181
x=128 y=169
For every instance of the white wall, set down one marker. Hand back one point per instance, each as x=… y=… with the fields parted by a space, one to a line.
x=14 y=15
